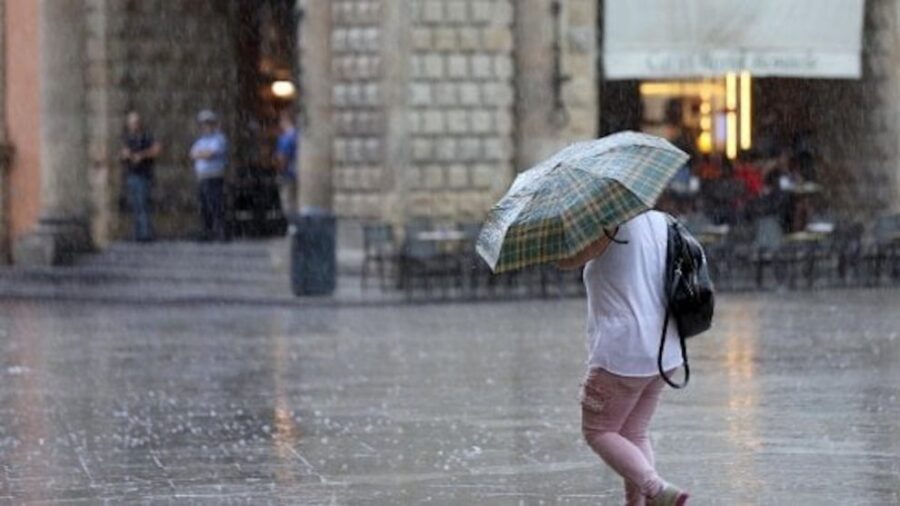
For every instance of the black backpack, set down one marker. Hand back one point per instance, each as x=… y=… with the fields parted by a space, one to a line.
x=690 y=296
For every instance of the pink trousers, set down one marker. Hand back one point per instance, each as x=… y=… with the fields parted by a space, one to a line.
x=615 y=414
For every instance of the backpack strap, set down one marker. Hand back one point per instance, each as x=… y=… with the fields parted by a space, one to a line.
x=659 y=358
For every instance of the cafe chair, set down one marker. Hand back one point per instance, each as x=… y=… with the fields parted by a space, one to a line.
x=847 y=252
x=476 y=269
x=768 y=240
x=423 y=261
x=379 y=251
x=882 y=254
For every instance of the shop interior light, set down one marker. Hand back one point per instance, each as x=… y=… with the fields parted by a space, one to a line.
x=697 y=89
x=283 y=89
x=731 y=143
x=705 y=139
x=731 y=91
x=731 y=134
x=746 y=111
x=704 y=143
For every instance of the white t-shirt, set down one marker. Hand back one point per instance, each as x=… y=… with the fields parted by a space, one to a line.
x=626 y=305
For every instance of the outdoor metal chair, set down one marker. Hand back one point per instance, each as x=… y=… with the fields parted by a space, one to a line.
x=475 y=268
x=795 y=259
x=719 y=246
x=695 y=222
x=379 y=250
x=567 y=283
x=422 y=260
x=768 y=240
x=721 y=257
x=883 y=251
x=479 y=273
x=847 y=251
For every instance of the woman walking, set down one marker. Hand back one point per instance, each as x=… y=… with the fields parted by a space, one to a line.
x=624 y=277
x=556 y=212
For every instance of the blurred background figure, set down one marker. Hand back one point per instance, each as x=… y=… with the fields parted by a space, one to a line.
x=773 y=201
x=684 y=186
x=138 y=155
x=750 y=174
x=209 y=153
x=286 y=152
x=723 y=195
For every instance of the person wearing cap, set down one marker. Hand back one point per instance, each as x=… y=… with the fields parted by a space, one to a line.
x=209 y=153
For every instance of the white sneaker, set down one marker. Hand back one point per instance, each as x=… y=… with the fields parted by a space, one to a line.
x=670 y=495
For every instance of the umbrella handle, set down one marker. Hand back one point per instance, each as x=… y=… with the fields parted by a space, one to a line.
x=613 y=236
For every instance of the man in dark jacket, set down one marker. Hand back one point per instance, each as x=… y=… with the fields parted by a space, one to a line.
x=139 y=152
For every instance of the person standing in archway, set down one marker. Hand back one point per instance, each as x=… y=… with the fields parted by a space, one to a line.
x=286 y=153
x=139 y=152
x=210 y=156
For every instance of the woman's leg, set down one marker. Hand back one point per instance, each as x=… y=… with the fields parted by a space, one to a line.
x=607 y=403
x=635 y=429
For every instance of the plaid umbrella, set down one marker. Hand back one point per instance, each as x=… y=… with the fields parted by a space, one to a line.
x=555 y=209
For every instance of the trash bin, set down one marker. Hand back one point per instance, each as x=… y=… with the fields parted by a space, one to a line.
x=313 y=257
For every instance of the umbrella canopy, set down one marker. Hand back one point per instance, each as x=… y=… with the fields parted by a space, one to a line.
x=557 y=208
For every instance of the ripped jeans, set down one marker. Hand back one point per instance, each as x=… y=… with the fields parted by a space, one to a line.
x=615 y=414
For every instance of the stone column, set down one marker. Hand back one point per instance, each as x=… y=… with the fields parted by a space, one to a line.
x=315 y=175
x=536 y=137
x=396 y=24
x=6 y=152
x=105 y=108
x=4 y=148
x=62 y=229
x=541 y=128
x=893 y=95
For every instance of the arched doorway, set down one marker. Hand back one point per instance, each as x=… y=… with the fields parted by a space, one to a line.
x=235 y=58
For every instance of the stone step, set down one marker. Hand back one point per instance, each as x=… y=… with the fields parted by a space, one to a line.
x=242 y=272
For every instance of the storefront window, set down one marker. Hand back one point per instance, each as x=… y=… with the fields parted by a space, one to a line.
x=706 y=116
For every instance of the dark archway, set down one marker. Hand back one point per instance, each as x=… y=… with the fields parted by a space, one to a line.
x=265 y=39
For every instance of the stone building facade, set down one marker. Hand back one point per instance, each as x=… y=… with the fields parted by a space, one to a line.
x=430 y=107
x=468 y=92
x=410 y=107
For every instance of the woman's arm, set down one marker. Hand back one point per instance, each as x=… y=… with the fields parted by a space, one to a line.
x=593 y=250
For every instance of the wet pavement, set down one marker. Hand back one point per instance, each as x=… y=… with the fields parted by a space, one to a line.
x=795 y=399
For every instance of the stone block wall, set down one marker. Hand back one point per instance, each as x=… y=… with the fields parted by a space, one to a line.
x=461 y=97
x=358 y=107
x=422 y=107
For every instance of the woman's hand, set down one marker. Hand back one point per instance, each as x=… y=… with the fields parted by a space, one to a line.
x=593 y=250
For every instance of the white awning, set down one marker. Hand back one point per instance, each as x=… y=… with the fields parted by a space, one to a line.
x=662 y=39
